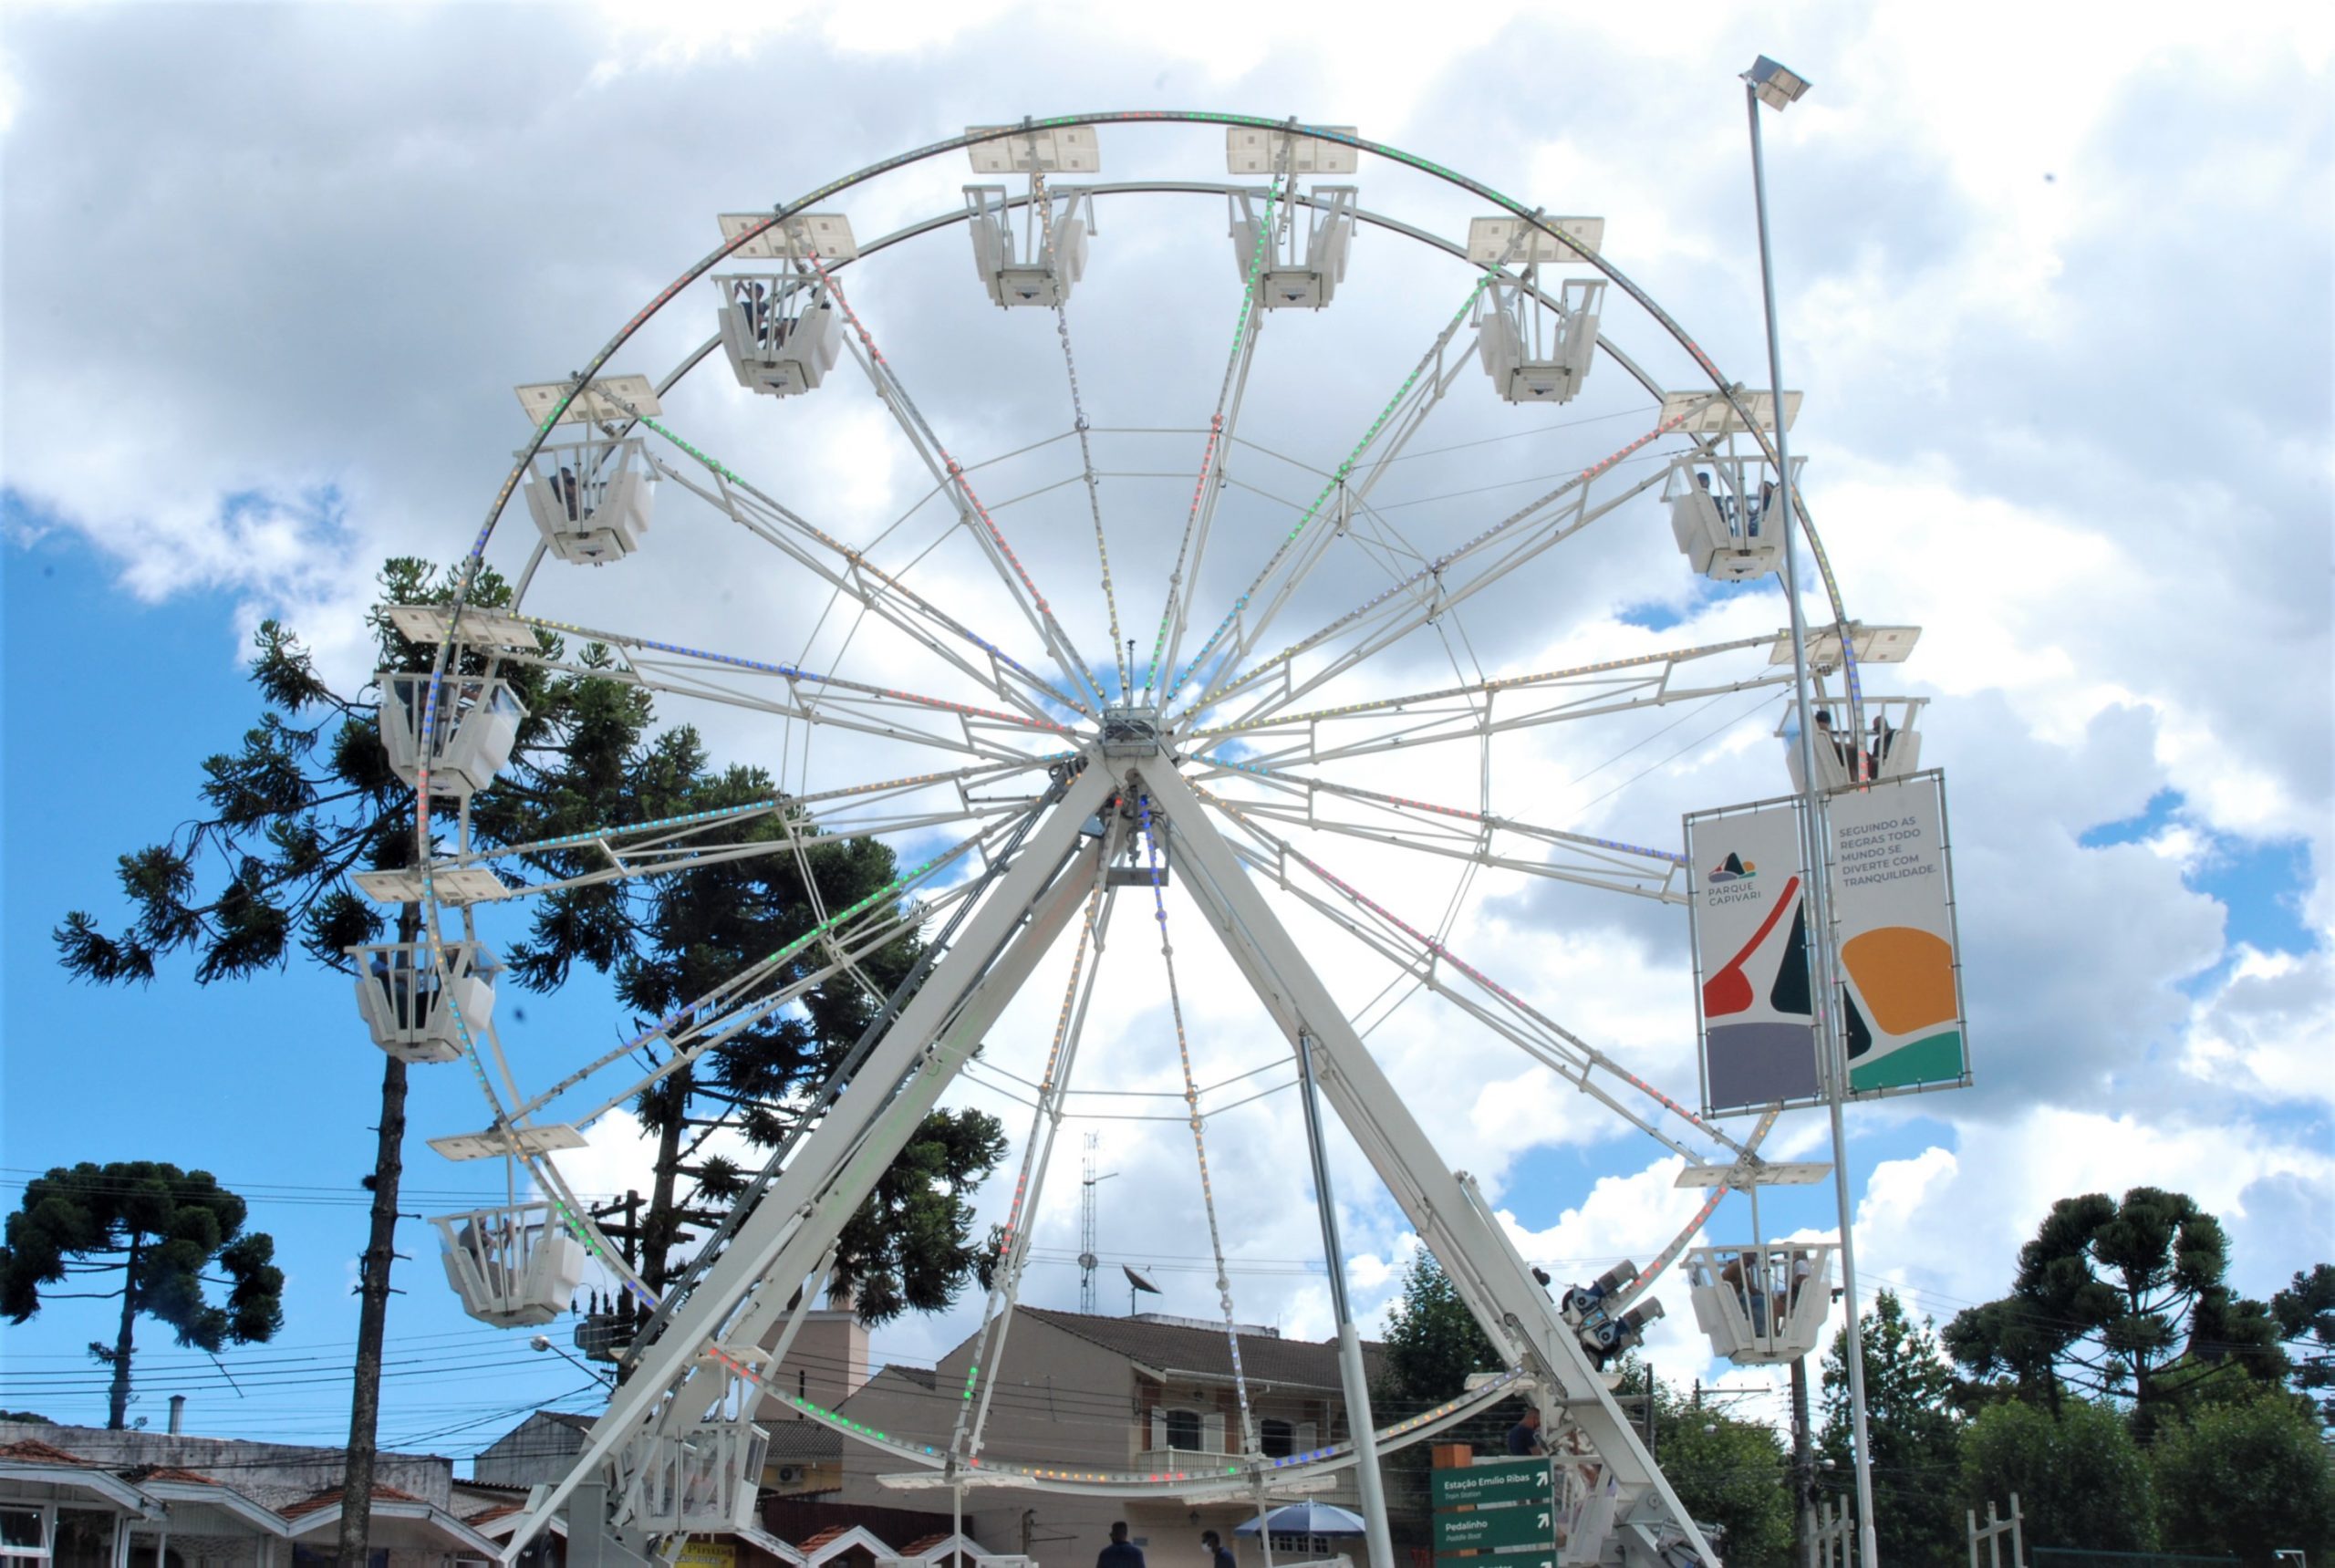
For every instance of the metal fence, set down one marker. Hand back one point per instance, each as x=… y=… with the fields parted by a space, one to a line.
x=2082 y=1557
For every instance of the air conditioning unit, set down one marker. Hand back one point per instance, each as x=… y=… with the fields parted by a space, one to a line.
x=788 y=1475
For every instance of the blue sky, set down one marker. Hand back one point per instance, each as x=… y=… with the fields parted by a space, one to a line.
x=2085 y=450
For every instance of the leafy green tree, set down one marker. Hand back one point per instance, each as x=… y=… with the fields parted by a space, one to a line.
x=308 y=799
x=157 y=1228
x=1728 y=1472
x=1910 y=1420
x=2081 y=1478
x=1433 y=1342
x=2247 y=1475
x=2306 y=1314
x=2120 y=1299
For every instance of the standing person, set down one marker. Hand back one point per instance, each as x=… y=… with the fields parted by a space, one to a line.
x=1120 y=1552
x=1220 y=1556
x=1524 y=1437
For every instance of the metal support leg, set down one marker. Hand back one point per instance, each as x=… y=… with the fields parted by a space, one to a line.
x=1381 y=1544
x=832 y=1171
x=1441 y=1204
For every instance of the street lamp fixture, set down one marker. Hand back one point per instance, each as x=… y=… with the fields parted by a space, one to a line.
x=1777 y=86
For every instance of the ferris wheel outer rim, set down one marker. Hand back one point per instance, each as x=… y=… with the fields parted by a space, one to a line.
x=471 y=562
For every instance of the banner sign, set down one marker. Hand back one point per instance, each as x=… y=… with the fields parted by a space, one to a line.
x=1748 y=915
x=1893 y=919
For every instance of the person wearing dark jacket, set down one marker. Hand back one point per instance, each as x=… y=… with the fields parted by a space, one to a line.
x=1120 y=1552
x=1220 y=1556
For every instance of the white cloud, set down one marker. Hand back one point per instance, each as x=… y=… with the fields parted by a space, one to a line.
x=2062 y=425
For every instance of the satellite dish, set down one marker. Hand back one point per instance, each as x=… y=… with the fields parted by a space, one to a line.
x=1137 y=1282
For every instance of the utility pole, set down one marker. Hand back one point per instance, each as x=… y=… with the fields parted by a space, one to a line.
x=1803 y=1466
x=373 y=1300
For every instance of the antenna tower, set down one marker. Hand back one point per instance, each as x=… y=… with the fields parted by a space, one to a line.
x=1087 y=1229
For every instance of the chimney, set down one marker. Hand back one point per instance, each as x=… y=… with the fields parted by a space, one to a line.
x=178 y=1414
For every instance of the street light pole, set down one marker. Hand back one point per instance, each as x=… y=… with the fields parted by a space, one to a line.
x=1779 y=87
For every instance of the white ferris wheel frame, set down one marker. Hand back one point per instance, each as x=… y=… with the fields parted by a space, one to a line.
x=1044 y=865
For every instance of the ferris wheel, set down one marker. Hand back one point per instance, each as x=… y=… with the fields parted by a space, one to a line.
x=1144 y=633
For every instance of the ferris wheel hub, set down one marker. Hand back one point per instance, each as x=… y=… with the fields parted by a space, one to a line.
x=1131 y=731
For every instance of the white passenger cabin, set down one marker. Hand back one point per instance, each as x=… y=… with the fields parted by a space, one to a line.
x=591 y=499
x=472 y=727
x=1038 y=261
x=514 y=1268
x=1889 y=748
x=418 y=1010
x=1763 y=1306
x=1724 y=514
x=1302 y=261
x=780 y=332
x=779 y=329
x=706 y=1481
x=1535 y=353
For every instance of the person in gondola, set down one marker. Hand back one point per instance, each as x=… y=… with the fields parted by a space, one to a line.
x=1844 y=748
x=565 y=485
x=1884 y=737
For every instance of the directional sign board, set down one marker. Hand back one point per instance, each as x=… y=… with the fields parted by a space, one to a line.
x=1528 y=1525
x=1545 y=1556
x=1525 y=1480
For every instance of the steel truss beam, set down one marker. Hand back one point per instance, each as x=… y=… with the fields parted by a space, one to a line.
x=1442 y=1205
x=686 y=1373
x=674 y=1384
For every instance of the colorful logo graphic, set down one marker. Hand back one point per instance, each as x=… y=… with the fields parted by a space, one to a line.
x=1906 y=976
x=1734 y=868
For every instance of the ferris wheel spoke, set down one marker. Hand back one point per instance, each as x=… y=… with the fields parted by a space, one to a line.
x=1482 y=708
x=1443 y=583
x=1037 y=1152
x=650 y=846
x=808 y=695
x=1201 y=518
x=1301 y=548
x=1427 y=961
x=1299 y=800
x=945 y=469
x=851 y=575
x=717 y=1015
x=1119 y=662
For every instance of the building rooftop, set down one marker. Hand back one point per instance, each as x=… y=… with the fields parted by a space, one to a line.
x=1167 y=1347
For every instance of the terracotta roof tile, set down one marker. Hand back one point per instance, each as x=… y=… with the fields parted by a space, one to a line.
x=170 y=1473
x=331 y=1495
x=814 y=1542
x=32 y=1451
x=919 y=1548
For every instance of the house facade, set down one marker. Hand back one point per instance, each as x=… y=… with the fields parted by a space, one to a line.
x=1144 y=1393
x=82 y=1496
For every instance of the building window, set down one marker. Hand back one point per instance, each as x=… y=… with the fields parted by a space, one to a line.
x=1279 y=1438
x=24 y=1534
x=1184 y=1429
